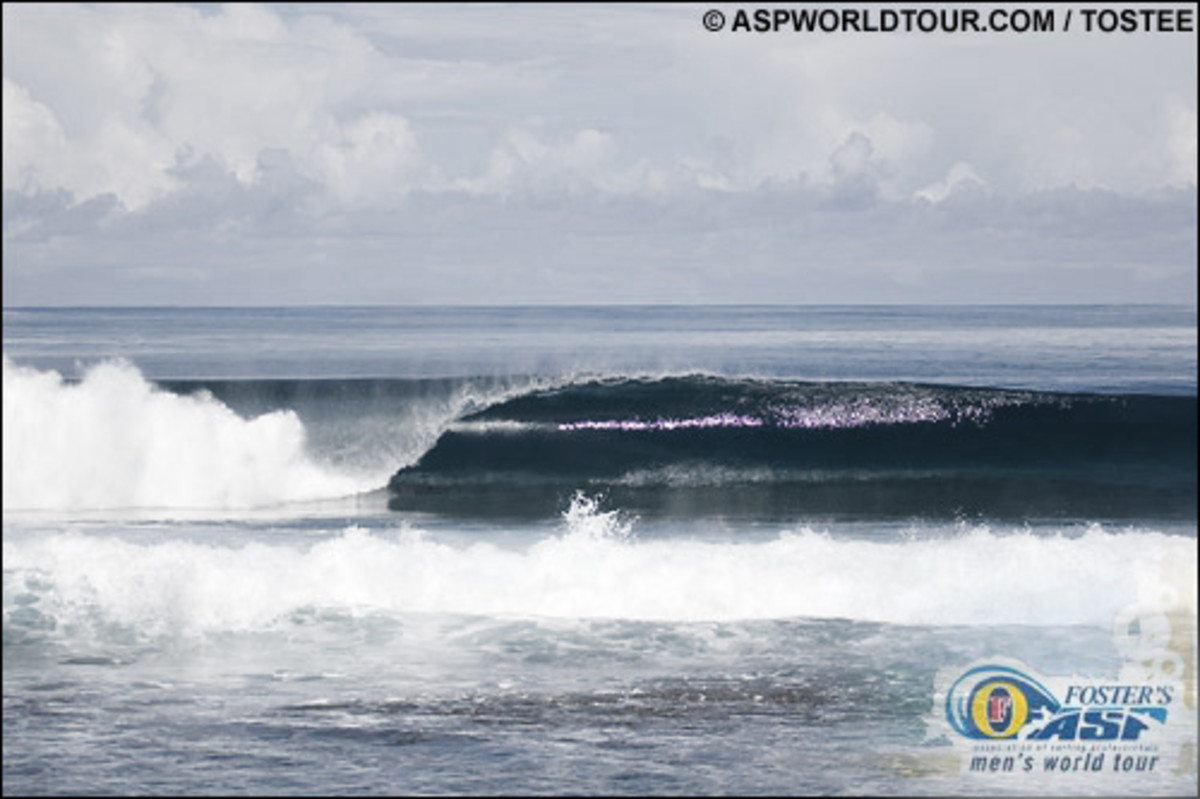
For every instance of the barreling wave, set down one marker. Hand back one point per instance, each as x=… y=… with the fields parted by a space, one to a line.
x=114 y=440
x=523 y=445
x=710 y=445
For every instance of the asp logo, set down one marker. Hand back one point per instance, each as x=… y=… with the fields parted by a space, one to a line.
x=998 y=702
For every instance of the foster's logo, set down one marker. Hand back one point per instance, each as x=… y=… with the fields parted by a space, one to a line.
x=997 y=702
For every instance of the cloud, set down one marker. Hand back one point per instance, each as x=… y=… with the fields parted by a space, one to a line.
x=126 y=88
x=1179 y=141
x=33 y=139
x=441 y=153
x=134 y=86
x=785 y=244
x=373 y=157
x=961 y=177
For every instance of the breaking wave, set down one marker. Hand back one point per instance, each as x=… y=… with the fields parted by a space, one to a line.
x=710 y=445
x=685 y=445
x=594 y=566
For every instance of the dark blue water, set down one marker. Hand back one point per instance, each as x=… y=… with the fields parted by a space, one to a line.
x=777 y=449
x=634 y=550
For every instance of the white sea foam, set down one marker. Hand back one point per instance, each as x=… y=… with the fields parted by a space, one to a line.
x=594 y=568
x=114 y=440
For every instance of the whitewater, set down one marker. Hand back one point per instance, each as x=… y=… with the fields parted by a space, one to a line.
x=604 y=550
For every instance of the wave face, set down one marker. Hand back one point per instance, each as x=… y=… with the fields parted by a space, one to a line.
x=713 y=446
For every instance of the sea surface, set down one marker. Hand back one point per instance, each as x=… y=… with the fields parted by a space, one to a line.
x=599 y=550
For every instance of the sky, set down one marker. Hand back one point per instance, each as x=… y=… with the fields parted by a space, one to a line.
x=279 y=154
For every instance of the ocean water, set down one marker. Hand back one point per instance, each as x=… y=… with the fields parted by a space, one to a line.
x=594 y=550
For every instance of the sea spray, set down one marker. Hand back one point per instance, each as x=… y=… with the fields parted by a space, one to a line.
x=114 y=440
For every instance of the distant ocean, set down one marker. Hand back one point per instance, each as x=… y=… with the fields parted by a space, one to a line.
x=600 y=550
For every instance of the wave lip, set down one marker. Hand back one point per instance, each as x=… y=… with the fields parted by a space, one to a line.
x=707 y=445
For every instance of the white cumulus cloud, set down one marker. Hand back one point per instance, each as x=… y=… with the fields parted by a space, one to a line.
x=431 y=144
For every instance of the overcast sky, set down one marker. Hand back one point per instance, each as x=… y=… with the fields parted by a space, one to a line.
x=374 y=153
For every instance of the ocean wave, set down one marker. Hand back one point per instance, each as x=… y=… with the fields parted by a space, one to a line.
x=73 y=584
x=684 y=444
x=711 y=445
x=115 y=440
